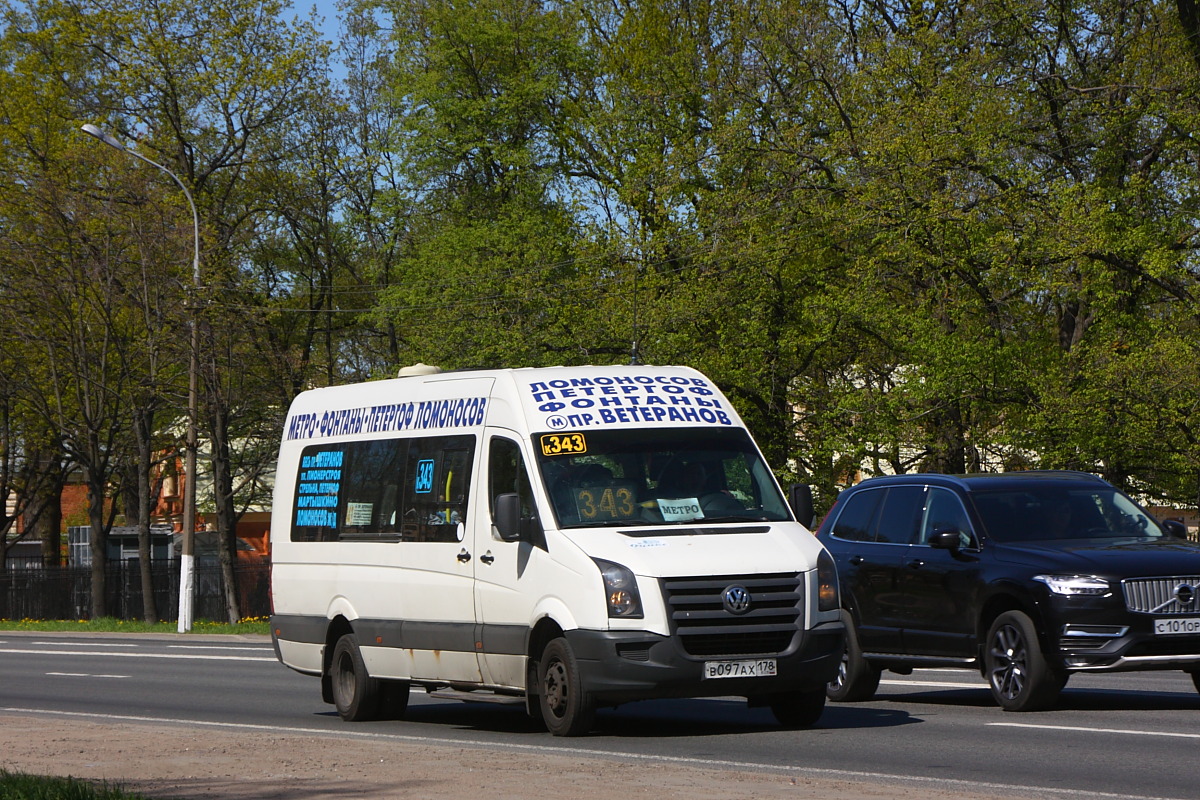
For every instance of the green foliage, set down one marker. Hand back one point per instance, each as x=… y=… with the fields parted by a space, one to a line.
x=18 y=786
x=249 y=625
x=948 y=236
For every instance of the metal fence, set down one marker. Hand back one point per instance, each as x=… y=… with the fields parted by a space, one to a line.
x=66 y=592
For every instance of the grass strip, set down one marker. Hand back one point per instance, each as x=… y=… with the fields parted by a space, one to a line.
x=110 y=625
x=17 y=786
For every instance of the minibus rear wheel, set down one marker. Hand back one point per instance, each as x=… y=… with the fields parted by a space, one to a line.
x=566 y=708
x=355 y=693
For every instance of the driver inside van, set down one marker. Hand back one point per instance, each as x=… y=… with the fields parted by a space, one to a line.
x=690 y=481
x=683 y=480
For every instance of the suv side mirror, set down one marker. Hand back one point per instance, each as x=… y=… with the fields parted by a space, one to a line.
x=945 y=540
x=800 y=498
x=1174 y=528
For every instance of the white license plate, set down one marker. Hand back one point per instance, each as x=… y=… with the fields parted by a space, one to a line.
x=1172 y=627
x=762 y=668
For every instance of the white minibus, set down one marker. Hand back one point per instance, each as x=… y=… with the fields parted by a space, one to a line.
x=569 y=538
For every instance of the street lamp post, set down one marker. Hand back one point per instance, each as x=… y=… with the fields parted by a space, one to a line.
x=187 y=565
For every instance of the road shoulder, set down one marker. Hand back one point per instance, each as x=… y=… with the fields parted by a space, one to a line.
x=171 y=761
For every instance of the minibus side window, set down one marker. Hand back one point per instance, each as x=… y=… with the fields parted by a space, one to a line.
x=436 y=484
x=436 y=488
x=384 y=490
x=371 y=482
x=316 y=509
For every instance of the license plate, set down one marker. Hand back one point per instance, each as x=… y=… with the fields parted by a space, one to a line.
x=1172 y=627
x=762 y=668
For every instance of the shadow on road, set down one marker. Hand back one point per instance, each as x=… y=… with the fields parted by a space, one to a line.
x=1071 y=699
x=646 y=719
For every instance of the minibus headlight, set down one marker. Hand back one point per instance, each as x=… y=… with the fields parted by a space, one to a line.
x=828 y=598
x=620 y=590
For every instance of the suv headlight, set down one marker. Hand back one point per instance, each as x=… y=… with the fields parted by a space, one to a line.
x=1075 y=585
x=620 y=589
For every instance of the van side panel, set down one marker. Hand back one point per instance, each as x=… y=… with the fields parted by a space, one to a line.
x=400 y=579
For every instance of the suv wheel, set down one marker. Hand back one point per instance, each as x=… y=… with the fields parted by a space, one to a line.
x=1019 y=676
x=856 y=679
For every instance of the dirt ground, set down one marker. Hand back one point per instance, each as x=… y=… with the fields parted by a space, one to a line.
x=170 y=761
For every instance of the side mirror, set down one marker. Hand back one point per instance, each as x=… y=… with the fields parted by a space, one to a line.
x=945 y=540
x=1174 y=528
x=508 y=517
x=800 y=498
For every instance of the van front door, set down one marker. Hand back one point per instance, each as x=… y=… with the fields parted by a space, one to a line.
x=506 y=571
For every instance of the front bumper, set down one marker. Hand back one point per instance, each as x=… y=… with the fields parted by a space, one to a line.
x=1117 y=640
x=617 y=667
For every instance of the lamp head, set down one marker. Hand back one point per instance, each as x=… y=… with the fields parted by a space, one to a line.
x=93 y=131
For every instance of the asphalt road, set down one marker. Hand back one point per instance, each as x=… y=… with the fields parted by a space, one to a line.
x=1133 y=735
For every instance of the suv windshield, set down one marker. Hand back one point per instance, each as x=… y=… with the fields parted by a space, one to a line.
x=1054 y=512
x=668 y=476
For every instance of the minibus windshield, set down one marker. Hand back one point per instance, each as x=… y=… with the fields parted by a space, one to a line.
x=666 y=476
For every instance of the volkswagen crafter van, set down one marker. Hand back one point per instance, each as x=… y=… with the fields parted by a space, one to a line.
x=568 y=537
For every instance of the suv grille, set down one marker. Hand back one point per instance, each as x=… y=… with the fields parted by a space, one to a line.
x=706 y=628
x=1160 y=595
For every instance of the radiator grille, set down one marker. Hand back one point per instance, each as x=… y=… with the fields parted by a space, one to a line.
x=705 y=627
x=1162 y=595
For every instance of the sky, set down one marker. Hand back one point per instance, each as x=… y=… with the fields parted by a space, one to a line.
x=325 y=8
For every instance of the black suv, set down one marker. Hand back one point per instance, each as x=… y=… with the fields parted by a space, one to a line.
x=1026 y=576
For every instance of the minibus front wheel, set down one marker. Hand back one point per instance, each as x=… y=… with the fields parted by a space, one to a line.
x=798 y=709
x=566 y=708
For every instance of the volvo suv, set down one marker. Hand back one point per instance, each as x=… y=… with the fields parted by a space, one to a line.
x=1026 y=576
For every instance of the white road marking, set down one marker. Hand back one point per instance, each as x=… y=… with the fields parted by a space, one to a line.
x=84 y=675
x=1080 y=729
x=82 y=644
x=179 y=656
x=216 y=647
x=936 y=684
x=1021 y=790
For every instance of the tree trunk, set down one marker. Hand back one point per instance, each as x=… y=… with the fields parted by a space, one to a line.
x=226 y=512
x=143 y=427
x=98 y=543
x=948 y=444
x=43 y=506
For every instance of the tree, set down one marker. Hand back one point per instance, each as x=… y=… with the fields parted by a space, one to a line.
x=203 y=86
x=488 y=238
x=210 y=86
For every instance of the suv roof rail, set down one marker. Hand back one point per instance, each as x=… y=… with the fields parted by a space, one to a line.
x=966 y=480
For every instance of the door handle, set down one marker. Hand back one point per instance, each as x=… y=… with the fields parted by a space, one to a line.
x=916 y=563
x=464 y=556
x=487 y=557
x=857 y=561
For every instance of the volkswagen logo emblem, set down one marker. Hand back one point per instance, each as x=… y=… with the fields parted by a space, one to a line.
x=736 y=599
x=1185 y=593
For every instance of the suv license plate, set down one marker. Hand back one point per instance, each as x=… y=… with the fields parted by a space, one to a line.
x=761 y=668
x=1170 y=627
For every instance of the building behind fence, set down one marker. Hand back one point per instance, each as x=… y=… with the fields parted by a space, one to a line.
x=29 y=590
x=37 y=592
x=122 y=544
